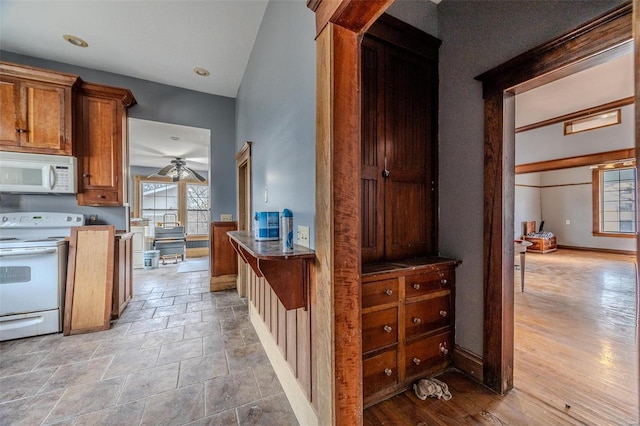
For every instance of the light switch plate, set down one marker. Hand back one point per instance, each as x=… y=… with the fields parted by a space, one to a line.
x=226 y=217
x=303 y=236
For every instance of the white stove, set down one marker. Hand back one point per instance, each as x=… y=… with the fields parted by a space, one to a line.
x=33 y=270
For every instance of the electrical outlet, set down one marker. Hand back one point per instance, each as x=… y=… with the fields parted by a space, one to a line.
x=303 y=236
x=226 y=217
x=567 y=222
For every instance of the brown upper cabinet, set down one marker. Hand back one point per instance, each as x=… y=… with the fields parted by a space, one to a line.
x=102 y=148
x=399 y=198
x=36 y=110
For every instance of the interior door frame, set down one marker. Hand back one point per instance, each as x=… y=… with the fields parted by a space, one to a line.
x=243 y=190
x=595 y=42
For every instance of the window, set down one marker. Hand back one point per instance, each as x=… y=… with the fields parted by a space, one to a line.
x=197 y=209
x=592 y=122
x=615 y=203
x=159 y=199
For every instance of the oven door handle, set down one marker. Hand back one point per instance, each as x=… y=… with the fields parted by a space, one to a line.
x=28 y=251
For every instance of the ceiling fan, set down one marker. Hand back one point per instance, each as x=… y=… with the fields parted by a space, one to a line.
x=178 y=170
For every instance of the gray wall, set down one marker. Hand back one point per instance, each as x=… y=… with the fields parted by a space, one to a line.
x=157 y=102
x=422 y=14
x=477 y=36
x=275 y=110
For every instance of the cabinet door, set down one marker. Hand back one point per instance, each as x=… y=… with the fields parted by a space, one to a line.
x=36 y=117
x=100 y=152
x=410 y=198
x=44 y=118
x=372 y=148
x=8 y=113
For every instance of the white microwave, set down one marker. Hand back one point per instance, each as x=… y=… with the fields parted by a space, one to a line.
x=37 y=173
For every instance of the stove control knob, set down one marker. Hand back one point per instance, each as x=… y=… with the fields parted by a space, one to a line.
x=4 y=218
x=68 y=218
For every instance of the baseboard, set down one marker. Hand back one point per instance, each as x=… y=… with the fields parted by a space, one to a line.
x=223 y=282
x=301 y=406
x=468 y=362
x=600 y=250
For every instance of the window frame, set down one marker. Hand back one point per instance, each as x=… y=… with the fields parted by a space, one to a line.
x=182 y=196
x=596 y=198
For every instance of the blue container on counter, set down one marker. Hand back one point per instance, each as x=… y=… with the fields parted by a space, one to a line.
x=266 y=226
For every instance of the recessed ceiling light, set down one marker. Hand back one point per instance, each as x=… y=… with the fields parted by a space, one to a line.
x=76 y=41
x=201 y=72
x=174 y=138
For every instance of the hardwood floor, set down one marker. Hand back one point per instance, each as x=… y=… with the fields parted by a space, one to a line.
x=576 y=353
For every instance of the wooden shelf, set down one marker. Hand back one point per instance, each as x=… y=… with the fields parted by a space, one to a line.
x=286 y=273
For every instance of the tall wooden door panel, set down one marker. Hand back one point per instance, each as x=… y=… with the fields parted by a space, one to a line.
x=399 y=150
x=409 y=149
x=372 y=148
x=100 y=119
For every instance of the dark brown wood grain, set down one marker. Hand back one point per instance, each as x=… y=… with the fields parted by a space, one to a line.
x=582 y=160
x=223 y=260
x=346 y=231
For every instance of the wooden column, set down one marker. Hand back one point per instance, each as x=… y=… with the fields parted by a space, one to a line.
x=336 y=313
x=222 y=257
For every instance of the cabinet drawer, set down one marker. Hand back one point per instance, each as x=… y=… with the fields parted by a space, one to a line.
x=379 y=292
x=420 y=284
x=379 y=372
x=422 y=317
x=98 y=198
x=379 y=329
x=424 y=353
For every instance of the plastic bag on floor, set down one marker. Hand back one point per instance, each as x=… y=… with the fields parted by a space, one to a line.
x=431 y=388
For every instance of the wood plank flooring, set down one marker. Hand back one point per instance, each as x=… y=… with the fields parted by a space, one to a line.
x=576 y=353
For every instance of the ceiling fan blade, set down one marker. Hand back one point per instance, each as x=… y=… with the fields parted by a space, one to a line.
x=197 y=175
x=165 y=170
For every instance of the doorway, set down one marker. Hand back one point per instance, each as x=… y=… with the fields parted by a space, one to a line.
x=579 y=50
x=243 y=167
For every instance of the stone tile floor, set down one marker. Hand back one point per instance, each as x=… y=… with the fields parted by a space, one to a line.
x=179 y=355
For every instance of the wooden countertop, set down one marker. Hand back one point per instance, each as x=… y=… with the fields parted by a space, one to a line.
x=268 y=250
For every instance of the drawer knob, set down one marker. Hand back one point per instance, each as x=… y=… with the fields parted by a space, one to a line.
x=388 y=371
x=443 y=281
x=443 y=313
x=387 y=328
x=417 y=320
x=21 y=130
x=416 y=286
x=416 y=361
x=101 y=196
x=388 y=292
x=443 y=349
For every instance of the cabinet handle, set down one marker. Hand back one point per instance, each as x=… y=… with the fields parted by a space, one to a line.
x=416 y=361
x=85 y=175
x=443 y=313
x=416 y=286
x=388 y=371
x=388 y=292
x=101 y=196
x=443 y=281
x=21 y=130
x=387 y=328
x=443 y=349
x=417 y=320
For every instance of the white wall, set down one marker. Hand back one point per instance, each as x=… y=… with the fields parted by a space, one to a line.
x=549 y=143
x=527 y=202
x=567 y=194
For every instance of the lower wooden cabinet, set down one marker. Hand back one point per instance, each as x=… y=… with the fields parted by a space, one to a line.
x=407 y=324
x=122 y=273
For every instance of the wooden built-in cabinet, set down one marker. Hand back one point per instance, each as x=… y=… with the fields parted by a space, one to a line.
x=408 y=292
x=122 y=273
x=398 y=143
x=102 y=149
x=36 y=110
x=407 y=324
x=223 y=261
